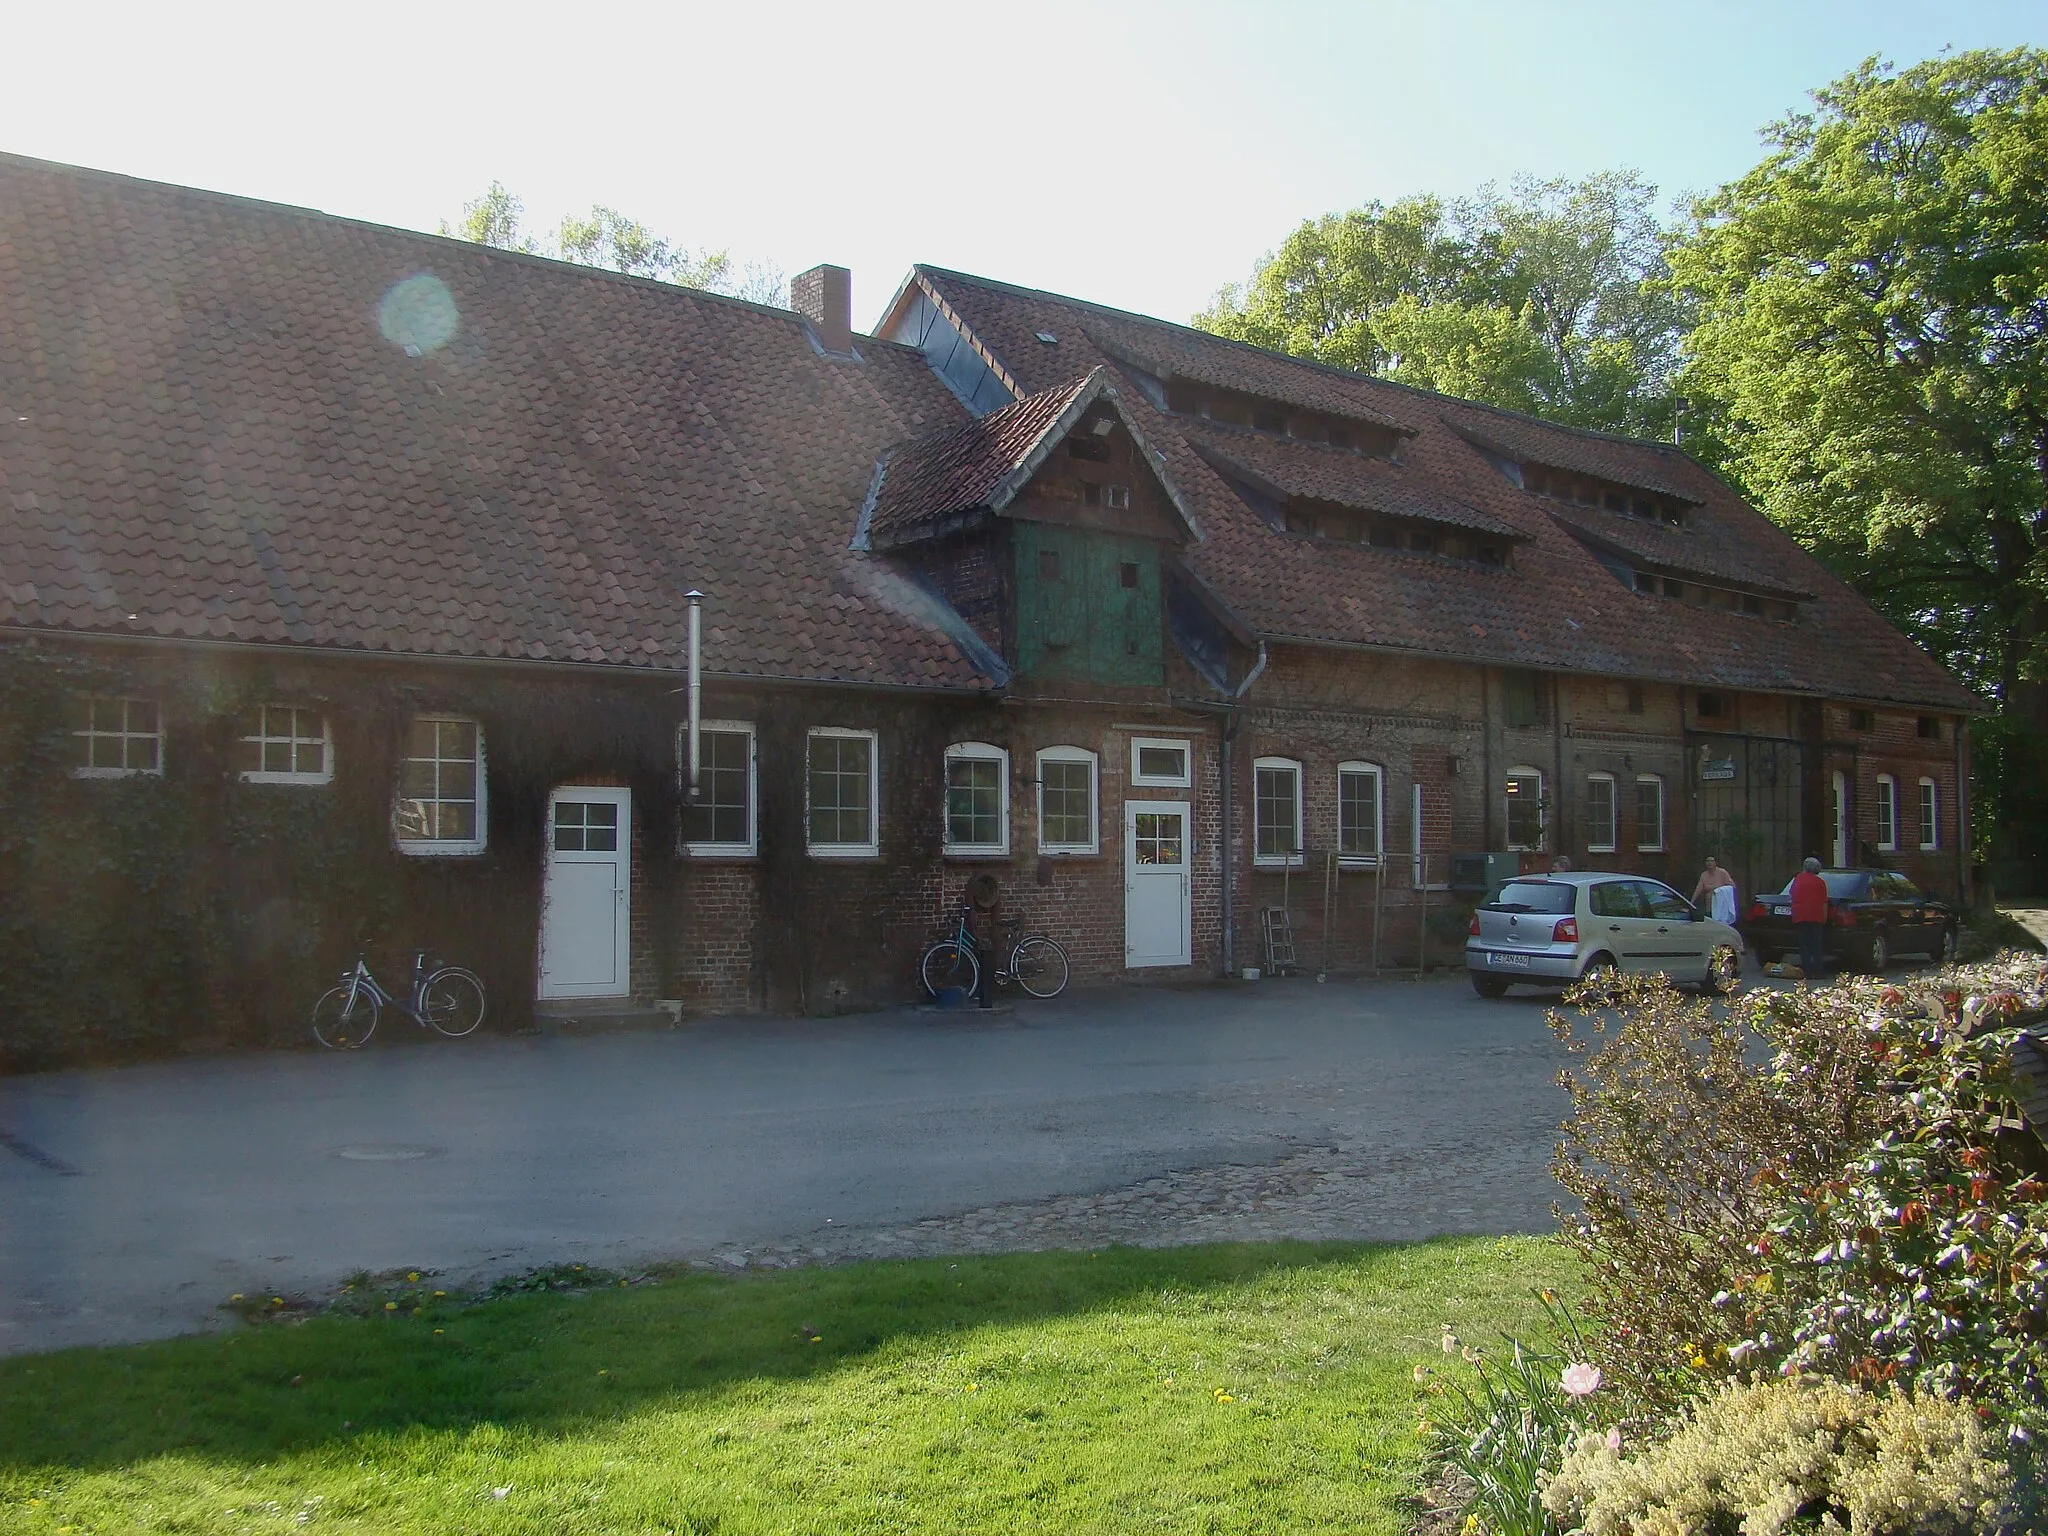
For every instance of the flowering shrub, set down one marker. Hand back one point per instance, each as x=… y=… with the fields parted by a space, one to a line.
x=1863 y=1203
x=1788 y=1456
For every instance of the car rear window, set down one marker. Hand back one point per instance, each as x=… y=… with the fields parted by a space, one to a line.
x=1843 y=884
x=1535 y=896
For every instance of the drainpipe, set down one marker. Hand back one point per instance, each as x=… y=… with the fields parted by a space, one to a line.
x=696 y=602
x=1230 y=730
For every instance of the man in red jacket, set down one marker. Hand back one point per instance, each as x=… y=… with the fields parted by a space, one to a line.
x=1810 y=916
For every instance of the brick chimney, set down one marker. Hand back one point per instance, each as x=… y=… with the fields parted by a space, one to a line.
x=824 y=296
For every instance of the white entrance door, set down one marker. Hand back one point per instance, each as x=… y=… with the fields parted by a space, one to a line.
x=1158 y=859
x=1839 y=816
x=586 y=901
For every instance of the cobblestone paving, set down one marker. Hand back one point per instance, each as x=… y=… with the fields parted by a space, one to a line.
x=1316 y=1194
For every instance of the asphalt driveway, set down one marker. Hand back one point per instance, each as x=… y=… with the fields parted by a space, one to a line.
x=134 y=1201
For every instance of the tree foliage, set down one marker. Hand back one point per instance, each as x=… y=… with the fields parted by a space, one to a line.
x=1550 y=298
x=1872 y=330
x=608 y=238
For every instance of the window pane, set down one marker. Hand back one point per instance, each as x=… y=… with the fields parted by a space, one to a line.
x=1600 y=813
x=141 y=753
x=458 y=781
x=839 y=789
x=720 y=814
x=1525 y=810
x=1163 y=762
x=973 y=801
x=277 y=756
x=1069 y=807
x=1274 y=811
x=1358 y=812
x=423 y=739
x=1649 y=813
x=457 y=821
x=311 y=757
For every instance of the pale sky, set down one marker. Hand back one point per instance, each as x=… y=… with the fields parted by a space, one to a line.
x=1137 y=153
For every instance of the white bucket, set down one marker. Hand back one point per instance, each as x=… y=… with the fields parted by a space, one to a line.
x=1250 y=973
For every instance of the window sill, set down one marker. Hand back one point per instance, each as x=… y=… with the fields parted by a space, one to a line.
x=117 y=773
x=1069 y=851
x=1592 y=848
x=313 y=779
x=841 y=853
x=724 y=852
x=974 y=853
x=1269 y=862
x=1650 y=848
x=1359 y=860
x=440 y=850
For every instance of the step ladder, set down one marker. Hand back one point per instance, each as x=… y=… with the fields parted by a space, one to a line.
x=1278 y=931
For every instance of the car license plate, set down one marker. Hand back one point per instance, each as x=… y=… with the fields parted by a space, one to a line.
x=1511 y=962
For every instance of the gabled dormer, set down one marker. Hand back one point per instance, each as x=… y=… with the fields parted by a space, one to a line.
x=1047 y=524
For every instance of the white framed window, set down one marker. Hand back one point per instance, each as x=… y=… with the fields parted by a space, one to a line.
x=116 y=738
x=283 y=744
x=977 y=799
x=841 y=789
x=441 y=805
x=1162 y=764
x=1600 y=813
x=1930 y=816
x=1526 y=816
x=1067 y=822
x=721 y=824
x=1361 y=813
x=1887 y=814
x=1276 y=812
x=1649 y=813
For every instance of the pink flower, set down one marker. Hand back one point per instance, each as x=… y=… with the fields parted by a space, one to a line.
x=1614 y=1440
x=1581 y=1380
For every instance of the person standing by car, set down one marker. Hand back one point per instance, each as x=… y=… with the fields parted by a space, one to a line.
x=1716 y=892
x=1810 y=916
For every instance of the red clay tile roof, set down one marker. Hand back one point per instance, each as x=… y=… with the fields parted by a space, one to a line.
x=233 y=420
x=1333 y=474
x=959 y=468
x=1557 y=607
x=1166 y=356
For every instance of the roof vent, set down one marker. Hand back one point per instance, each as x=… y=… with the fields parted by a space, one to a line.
x=824 y=296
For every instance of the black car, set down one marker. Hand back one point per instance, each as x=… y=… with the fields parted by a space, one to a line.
x=1873 y=914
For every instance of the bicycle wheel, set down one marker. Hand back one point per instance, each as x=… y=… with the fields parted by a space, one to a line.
x=452 y=1001
x=1039 y=965
x=949 y=963
x=342 y=1022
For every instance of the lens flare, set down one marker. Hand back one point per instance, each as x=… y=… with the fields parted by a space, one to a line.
x=418 y=314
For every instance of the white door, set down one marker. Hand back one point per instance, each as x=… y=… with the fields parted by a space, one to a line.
x=586 y=901
x=1158 y=860
x=1839 y=815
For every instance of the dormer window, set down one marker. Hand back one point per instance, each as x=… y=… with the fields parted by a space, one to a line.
x=1092 y=449
x=1116 y=497
x=1607 y=495
x=1339 y=438
x=1270 y=421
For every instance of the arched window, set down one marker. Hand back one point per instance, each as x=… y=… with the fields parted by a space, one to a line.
x=1599 y=813
x=1276 y=811
x=1361 y=812
x=1526 y=810
x=1067 y=822
x=1649 y=813
x=977 y=800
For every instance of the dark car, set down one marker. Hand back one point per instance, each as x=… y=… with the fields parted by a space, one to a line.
x=1873 y=914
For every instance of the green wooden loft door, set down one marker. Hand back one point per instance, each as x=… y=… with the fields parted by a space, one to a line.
x=1087 y=606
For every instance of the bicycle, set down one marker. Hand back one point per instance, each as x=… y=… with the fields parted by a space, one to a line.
x=1037 y=963
x=448 y=999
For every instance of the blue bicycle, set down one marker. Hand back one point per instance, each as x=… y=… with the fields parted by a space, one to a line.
x=448 y=999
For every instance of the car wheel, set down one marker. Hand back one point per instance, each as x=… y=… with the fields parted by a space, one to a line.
x=1878 y=953
x=1724 y=970
x=1488 y=986
x=1601 y=971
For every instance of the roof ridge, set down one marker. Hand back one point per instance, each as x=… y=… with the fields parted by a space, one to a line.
x=1314 y=364
x=499 y=252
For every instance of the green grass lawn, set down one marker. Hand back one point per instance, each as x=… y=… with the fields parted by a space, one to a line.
x=1233 y=1388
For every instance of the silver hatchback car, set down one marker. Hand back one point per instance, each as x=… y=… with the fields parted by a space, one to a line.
x=1550 y=930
